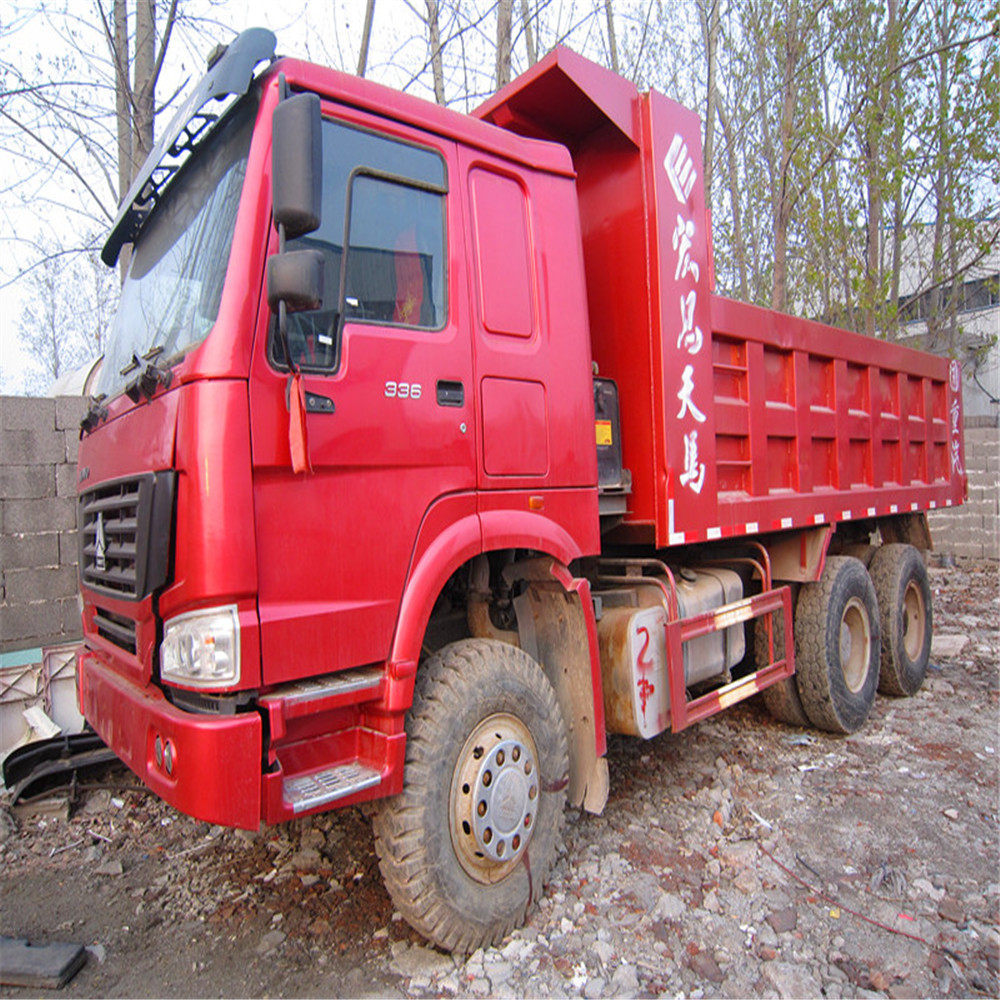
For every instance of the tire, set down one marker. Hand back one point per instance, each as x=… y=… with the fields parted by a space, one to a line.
x=904 y=600
x=781 y=699
x=838 y=646
x=463 y=862
x=861 y=551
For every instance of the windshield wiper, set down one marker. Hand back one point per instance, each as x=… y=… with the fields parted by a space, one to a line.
x=155 y=374
x=95 y=414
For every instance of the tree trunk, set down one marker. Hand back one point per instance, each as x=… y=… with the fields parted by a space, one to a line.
x=366 y=37
x=612 y=43
x=708 y=16
x=739 y=244
x=783 y=193
x=504 y=12
x=143 y=82
x=529 y=35
x=434 y=42
x=943 y=217
x=119 y=55
x=875 y=162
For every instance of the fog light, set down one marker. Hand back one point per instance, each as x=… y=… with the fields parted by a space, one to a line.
x=158 y=751
x=168 y=757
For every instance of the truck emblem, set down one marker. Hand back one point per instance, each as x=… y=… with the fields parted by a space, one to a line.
x=680 y=168
x=100 y=546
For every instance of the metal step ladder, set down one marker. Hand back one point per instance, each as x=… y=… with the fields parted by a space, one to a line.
x=308 y=791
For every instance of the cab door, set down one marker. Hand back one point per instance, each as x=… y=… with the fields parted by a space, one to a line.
x=386 y=368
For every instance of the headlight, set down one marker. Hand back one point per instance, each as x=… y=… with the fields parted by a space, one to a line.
x=202 y=648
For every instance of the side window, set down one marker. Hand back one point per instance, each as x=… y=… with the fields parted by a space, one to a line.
x=386 y=200
x=395 y=259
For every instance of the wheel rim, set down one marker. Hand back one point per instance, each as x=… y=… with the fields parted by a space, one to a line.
x=494 y=797
x=914 y=621
x=855 y=644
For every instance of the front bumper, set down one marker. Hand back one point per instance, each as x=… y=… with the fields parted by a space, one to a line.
x=215 y=761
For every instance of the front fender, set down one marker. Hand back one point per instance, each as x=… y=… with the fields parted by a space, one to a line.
x=449 y=536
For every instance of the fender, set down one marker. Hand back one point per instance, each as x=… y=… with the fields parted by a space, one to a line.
x=799 y=556
x=452 y=532
x=555 y=617
x=520 y=529
x=449 y=536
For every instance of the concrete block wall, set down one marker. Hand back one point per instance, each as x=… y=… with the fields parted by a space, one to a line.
x=974 y=528
x=38 y=544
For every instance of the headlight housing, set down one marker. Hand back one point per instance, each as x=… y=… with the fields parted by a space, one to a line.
x=202 y=648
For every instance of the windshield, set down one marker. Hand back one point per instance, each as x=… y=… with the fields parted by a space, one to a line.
x=170 y=299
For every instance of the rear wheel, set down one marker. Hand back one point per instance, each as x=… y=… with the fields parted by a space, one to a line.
x=782 y=698
x=837 y=646
x=904 y=600
x=467 y=845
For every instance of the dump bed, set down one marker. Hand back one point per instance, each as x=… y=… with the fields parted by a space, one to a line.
x=735 y=420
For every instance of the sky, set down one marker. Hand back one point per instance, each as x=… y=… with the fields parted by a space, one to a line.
x=35 y=35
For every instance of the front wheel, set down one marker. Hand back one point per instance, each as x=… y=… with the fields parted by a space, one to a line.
x=466 y=846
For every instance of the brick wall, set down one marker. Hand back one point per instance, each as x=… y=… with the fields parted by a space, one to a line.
x=974 y=528
x=38 y=547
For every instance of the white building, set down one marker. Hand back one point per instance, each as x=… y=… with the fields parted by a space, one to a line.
x=978 y=317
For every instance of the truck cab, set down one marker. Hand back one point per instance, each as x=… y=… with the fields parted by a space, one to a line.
x=445 y=376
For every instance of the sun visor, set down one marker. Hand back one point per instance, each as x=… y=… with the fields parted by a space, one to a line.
x=230 y=74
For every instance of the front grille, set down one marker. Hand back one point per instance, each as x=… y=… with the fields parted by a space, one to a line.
x=125 y=531
x=116 y=629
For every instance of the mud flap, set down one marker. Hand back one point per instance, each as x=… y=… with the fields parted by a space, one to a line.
x=553 y=631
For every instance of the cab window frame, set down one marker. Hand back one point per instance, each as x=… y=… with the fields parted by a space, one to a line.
x=275 y=349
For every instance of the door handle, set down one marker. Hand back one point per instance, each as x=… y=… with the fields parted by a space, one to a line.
x=450 y=393
x=316 y=403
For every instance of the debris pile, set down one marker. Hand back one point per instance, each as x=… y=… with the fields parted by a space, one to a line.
x=740 y=858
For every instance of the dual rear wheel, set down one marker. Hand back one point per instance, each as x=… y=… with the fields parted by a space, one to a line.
x=856 y=630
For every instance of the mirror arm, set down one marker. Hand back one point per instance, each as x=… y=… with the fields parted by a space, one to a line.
x=283 y=312
x=282 y=309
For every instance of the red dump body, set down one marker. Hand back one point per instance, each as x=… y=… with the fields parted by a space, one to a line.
x=736 y=420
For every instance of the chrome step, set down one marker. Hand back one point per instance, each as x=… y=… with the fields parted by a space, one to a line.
x=307 y=791
x=346 y=682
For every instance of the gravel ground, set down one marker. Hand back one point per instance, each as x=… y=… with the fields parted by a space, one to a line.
x=740 y=858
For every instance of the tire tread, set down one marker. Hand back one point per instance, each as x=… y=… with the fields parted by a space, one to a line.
x=451 y=678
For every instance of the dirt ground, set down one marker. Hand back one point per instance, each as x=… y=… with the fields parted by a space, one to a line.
x=740 y=858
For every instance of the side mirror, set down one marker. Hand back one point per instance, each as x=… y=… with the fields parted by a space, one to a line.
x=297 y=164
x=295 y=278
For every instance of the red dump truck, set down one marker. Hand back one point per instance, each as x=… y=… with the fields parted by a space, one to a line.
x=426 y=456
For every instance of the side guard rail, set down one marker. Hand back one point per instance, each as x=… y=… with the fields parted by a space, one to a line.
x=684 y=713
